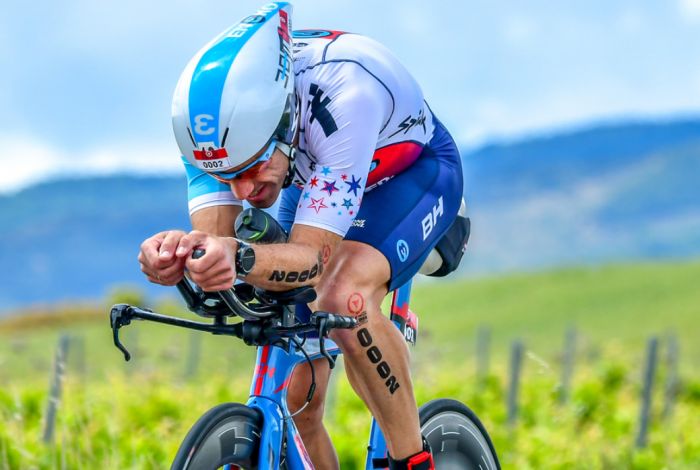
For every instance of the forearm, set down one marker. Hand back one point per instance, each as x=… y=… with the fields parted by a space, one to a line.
x=280 y=267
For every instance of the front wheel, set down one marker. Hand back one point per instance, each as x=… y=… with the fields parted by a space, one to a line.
x=456 y=436
x=226 y=434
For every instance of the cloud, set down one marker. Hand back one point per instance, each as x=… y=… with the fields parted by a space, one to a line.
x=26 y=160
x=690 y=9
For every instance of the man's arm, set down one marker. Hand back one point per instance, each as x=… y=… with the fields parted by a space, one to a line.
x=216 y=220
x=277 y=267
x=299 y=262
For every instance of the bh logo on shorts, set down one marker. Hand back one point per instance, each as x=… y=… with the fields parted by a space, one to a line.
x=402 y=250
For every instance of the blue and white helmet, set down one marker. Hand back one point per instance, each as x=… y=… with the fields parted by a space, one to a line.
x=234 y=102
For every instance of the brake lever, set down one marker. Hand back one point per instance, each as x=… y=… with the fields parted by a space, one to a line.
x=119 y=316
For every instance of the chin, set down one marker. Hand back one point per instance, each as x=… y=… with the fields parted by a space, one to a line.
x=261 y=204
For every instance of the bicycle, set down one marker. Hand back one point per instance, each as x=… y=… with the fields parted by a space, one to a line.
x=261 y=434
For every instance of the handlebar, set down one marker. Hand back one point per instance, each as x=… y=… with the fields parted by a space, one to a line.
x=251 y=332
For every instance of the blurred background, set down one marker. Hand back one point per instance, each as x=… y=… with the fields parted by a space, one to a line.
x=579 y=125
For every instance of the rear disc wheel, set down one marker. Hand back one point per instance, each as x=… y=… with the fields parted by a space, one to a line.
x=456 y=436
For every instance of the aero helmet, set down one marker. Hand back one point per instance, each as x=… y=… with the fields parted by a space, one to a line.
x=234 y=102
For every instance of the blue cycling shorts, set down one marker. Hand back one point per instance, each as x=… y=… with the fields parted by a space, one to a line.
x=406 y=216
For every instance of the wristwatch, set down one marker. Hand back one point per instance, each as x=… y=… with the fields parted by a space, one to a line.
x=245 y=259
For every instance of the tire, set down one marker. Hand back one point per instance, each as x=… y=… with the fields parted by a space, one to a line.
x=457 y=437
x=227 y=434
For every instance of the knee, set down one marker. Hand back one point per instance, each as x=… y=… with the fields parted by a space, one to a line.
x=346 y=299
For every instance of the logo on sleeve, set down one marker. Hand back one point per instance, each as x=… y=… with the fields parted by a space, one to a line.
x=320 y=112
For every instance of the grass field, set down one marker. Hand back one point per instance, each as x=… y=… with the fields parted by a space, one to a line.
x=115 y=414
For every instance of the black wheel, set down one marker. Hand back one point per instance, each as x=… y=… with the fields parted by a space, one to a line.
x=456 y=436
x=226 y=434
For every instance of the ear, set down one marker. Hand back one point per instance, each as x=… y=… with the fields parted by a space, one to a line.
x=291 y=169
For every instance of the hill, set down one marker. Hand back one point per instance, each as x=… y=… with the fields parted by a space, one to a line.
x=604 y=193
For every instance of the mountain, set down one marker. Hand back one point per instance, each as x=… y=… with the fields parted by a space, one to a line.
x=74 y=238
x=614 y=192
x=603 y=193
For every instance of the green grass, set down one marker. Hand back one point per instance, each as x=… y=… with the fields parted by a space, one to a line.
x=133 y=415
x=613 y=305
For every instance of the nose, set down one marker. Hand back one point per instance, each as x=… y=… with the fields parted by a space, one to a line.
x=242 y=187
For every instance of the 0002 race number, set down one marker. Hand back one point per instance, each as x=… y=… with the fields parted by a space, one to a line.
x=214 y=164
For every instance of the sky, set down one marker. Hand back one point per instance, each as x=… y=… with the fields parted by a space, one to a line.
x=86 y=86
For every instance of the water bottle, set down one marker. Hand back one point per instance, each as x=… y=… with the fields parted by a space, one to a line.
x=257 y=226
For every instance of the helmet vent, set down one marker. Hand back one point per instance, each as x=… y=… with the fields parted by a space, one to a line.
x=189 y=132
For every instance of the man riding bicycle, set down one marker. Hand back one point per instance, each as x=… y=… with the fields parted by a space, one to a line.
x=370 y=181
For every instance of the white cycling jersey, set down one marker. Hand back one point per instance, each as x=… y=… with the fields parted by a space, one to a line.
x=363 y=120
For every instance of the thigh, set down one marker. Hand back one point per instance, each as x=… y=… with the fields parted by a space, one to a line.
x=404 y=218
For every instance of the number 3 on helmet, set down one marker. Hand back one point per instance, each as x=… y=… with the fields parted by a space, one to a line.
x=234 y=102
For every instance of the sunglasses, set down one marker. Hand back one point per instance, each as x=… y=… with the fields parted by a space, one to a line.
x=226 y=177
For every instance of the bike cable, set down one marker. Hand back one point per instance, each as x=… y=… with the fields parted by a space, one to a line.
x=312 y=387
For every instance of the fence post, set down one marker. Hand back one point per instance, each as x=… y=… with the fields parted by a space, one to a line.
x=671 y=389
x=54 y=398
x=516 y=361
x=79 y=355
x=193 y=355
x=483 y=344
x=568 y=359
x=649 y=371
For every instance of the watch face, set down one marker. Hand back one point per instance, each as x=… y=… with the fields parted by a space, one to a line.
x=246 y=259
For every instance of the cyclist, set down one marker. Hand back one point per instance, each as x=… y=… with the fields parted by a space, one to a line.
x=371 y=179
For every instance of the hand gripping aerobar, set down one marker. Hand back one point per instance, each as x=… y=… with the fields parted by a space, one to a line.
x=268 y=317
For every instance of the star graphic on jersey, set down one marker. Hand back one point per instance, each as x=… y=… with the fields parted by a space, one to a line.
x=313 y=182
x=326 y=171
x=343 y=177
x=330 y=187
x=306 y=195
x=354 y=185
x=317 y=205
x=347 y=203
x=333 y=204
x=340 y=213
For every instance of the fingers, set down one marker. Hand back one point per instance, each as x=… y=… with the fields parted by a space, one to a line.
x=189 y=242
x=222 y=280
x=157 y=258
x=215 y=270
x=165 y=256
x=150 y=248
x=169 y=244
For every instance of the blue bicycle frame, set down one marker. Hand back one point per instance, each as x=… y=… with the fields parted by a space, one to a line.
x=268 y=393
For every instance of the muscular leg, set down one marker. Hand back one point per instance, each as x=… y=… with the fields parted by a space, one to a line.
x=376 y=355
x=310 y=421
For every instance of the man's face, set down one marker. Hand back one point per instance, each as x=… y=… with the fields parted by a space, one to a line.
x=261 y=184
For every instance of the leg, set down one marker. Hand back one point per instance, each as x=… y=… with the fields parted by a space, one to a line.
x=376 y=356
x=310 y=421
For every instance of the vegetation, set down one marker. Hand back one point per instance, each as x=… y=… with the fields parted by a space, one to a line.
x=133 y=415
